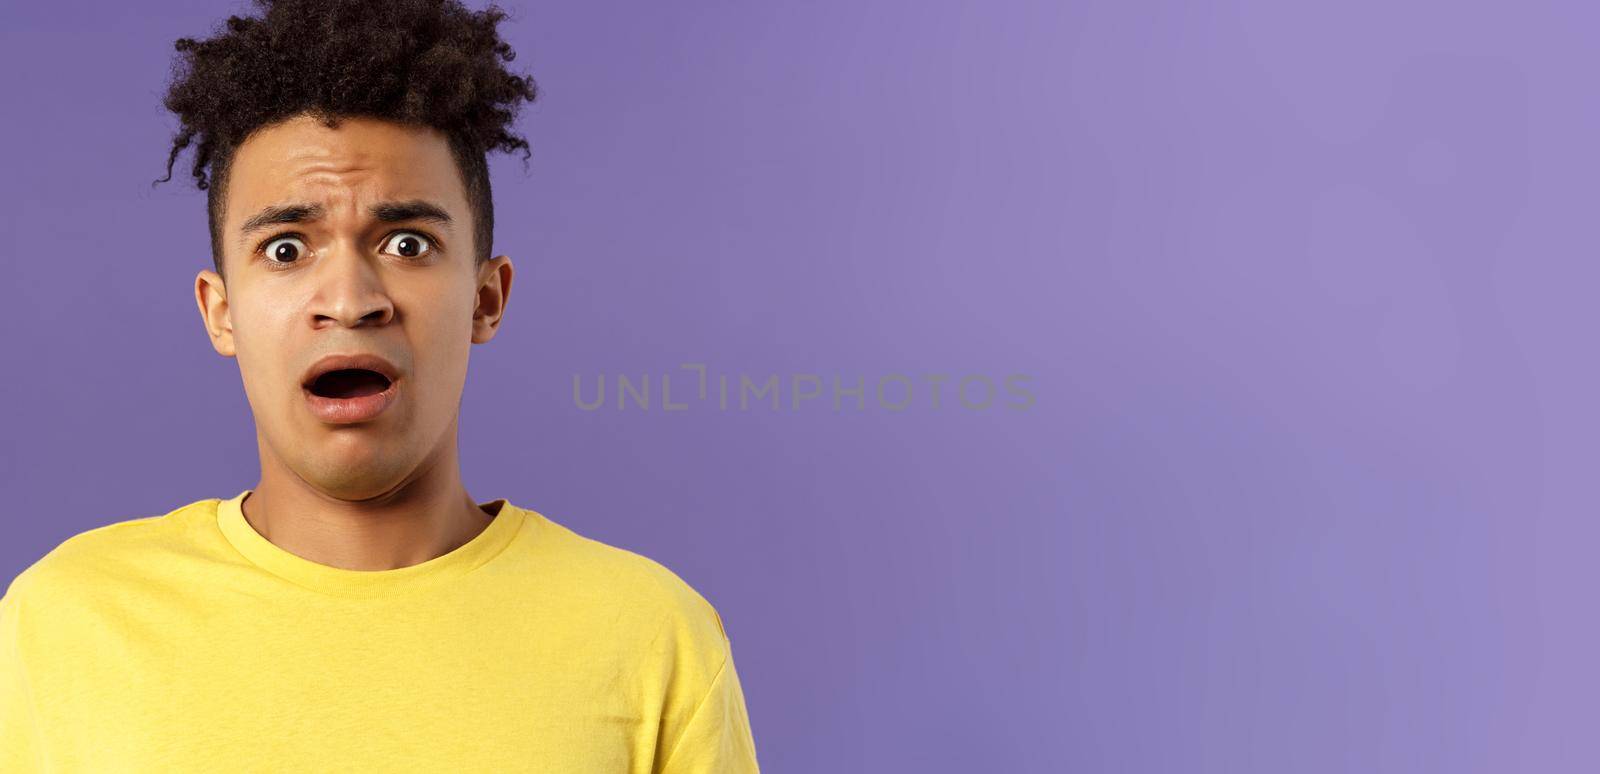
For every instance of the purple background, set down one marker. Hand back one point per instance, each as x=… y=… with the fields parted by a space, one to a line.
x=1305 y=293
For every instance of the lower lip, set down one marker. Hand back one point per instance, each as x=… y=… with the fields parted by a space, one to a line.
x=346 y=411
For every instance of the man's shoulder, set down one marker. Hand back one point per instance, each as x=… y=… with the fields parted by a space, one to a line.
x=630 y=578
x=680 y=643
x=97 y=554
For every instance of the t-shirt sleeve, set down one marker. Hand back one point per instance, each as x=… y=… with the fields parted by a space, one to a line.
x=19 y=744
x=717 y=737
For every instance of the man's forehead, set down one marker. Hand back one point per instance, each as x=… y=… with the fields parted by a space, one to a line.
x=343 y=170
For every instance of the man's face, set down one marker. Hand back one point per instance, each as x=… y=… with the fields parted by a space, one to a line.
x=351 y=241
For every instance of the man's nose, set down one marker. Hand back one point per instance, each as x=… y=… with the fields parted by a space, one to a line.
x=350 y=290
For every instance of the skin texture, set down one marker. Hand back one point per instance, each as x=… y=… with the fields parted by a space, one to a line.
x=385 y=493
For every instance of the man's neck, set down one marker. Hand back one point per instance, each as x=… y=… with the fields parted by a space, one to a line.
x=419 y=519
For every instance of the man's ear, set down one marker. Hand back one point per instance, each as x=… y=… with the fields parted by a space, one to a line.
x=212 y=296
x=494 y=290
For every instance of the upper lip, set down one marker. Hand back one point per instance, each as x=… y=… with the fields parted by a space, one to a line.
x=363 y=360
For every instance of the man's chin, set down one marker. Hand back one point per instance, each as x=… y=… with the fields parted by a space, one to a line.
x=354 y=485
x=354 y=470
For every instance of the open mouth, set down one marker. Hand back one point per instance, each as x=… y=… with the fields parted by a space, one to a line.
x=350 y=389
x=348 y=383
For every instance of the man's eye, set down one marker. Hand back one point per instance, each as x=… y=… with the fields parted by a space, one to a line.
x=407 y=244
x=285 y=249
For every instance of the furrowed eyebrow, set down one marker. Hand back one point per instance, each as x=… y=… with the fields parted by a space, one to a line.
x=271 y=216
x=416 y=209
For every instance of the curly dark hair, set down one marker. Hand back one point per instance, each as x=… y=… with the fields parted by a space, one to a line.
x=423 y=62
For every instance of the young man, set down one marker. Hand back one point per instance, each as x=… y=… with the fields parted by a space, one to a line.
x=357 y=609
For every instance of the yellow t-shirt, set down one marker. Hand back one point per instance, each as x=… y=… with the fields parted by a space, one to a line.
x=189 y=642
